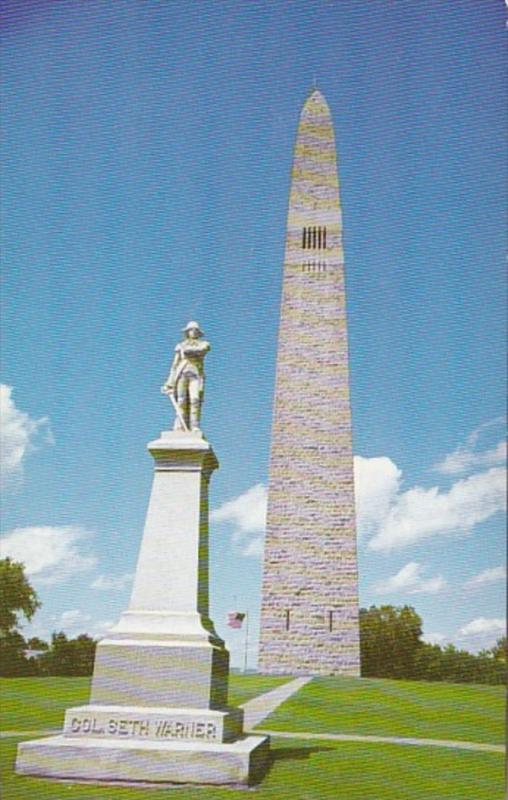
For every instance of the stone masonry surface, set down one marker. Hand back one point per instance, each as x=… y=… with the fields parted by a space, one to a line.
x=309 y=617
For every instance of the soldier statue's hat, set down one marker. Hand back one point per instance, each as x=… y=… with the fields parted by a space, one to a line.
x=192 y=324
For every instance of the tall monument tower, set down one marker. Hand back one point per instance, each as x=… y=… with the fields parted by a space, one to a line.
x=309 y=616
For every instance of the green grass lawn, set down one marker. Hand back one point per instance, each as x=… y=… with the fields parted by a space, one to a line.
x=40 y=703
x=394 y=708
x=311 y=771
x=245 y=687
x=306 y=770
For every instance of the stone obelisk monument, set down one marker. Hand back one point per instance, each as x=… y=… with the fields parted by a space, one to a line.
x=309 y=620
x=158 y=708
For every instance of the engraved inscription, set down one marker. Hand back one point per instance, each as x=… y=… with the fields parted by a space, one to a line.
x=134 y=728
x=168 y=729
x=86 y=725
x=129 y=727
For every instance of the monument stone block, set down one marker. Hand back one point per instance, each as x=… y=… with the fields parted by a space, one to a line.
x=309 y=617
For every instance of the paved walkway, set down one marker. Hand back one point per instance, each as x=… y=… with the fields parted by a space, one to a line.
x=257 y=709
x=15 y=734
x=346 y=737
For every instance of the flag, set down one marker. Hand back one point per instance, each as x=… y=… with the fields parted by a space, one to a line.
x=235 y=619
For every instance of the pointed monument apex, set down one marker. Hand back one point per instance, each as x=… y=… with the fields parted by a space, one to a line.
x=314 y=93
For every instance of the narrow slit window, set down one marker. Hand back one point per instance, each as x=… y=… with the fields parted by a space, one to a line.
x=319 y=238
x=287 y=618
x=324 y=238
x=314 y=238
x=330 y=621
x=304 y=237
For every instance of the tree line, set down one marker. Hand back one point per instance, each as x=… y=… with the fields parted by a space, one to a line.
x=21 y=657
x=391 y=644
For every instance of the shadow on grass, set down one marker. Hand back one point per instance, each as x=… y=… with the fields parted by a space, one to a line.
x=297 y=753
x=284 y=754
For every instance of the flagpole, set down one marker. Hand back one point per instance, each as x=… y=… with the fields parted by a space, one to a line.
x=246 y=641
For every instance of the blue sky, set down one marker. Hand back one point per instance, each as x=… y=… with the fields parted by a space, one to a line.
x=146 y=160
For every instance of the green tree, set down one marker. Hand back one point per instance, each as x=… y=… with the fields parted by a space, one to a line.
x=434 y=663
x=13 y=661
x=429 y=663
x=390 y=639
x=17 y=598
x=68 y=656
x=460 y=666
x=500 y=650
x=16 y=595
x=391 y=647
x=37 y=644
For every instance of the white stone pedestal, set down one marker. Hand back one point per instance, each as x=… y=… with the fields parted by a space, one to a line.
x=158 y=708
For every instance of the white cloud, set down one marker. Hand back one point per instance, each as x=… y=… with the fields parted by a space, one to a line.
x=467 y=457
x=420 y=513
x=481 y=625
x=479 y=634
x=487 y=576
x=434 y=637
x=18 y=436
x=51 y=554
x=387 y=516
x=247 y=513
x=377 y=483
x=462 y=460
x=75 y=622
x=68 y=620
x=409 y=580
x=112 y=582
x=255 y=547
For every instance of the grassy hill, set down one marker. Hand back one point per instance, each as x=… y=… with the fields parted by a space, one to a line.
x=29 y=704
x=373 y=706
x=307 y=770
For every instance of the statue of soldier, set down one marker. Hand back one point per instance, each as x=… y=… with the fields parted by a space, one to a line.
x=186 y=378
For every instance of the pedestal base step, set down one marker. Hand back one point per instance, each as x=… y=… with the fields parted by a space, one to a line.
x=242 y=762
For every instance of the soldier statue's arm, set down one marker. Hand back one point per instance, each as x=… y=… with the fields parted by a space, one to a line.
x=169 y=385
x=198 y=347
